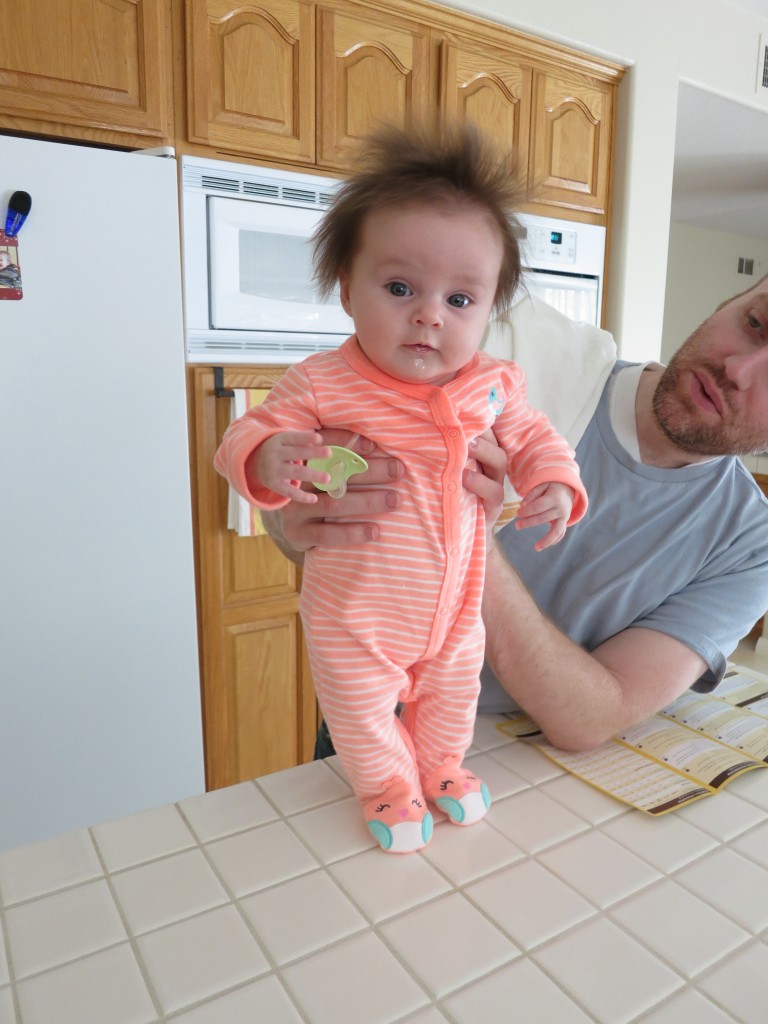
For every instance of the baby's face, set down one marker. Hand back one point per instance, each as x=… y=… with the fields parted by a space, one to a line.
x=421 y=288
x=5 y=260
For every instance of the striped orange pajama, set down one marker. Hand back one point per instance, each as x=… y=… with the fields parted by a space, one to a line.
x=399 y=619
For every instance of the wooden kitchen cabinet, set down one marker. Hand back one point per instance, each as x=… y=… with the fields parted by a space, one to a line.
x=374 y=68
x=254 y=88
x=251 y=77
x=491 y=88
x=300 y=82
x=571 y=143
x=259 y=708
x=554 y=107
x=95 y=70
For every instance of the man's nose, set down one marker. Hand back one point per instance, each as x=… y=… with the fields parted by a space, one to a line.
x=744 y=368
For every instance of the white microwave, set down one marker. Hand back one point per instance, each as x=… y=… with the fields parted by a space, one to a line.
x=249 y=292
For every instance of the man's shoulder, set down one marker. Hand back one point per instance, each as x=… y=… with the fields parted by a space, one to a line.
x=745 y=481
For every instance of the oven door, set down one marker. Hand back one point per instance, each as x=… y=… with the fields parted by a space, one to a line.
x=575 y=295
x=260 y=260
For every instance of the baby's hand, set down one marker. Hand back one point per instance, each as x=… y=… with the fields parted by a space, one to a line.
x=547 y=503
x=280 y=461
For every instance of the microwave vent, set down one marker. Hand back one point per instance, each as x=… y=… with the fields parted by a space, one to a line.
x=261 y=188
x=255 y=186
x=204 y=346
x=220 y=184
x=300 y=195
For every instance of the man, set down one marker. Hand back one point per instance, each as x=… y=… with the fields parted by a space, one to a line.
x=649 y=594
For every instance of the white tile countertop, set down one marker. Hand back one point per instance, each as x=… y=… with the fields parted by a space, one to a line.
x=269 y=902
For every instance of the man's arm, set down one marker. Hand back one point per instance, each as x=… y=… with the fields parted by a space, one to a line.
x=578 y=699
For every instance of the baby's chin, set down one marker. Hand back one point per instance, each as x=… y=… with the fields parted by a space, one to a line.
x=421 y=370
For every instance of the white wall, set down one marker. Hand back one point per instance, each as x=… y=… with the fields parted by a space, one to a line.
x=709 y=43
x=702 y=271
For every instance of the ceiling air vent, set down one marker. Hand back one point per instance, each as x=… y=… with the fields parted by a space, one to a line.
x=761 y=87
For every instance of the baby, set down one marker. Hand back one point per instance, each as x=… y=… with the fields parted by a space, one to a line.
x=9 y=272
x=422 y=241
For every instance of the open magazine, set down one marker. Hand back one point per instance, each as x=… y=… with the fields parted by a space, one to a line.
x=687 y=751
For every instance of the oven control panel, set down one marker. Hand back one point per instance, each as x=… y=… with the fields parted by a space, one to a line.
x=552 y=245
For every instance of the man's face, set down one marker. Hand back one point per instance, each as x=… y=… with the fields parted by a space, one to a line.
x=713 y=397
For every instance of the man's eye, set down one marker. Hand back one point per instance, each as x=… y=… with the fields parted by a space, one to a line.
x=459 y=300
x=753 y=322
x=399 y=288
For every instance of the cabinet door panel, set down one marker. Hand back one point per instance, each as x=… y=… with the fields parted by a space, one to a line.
x=99 y=63
x=492 y=90
x=572 y=142
x=264 y=708
x=372 y=72
x=251 y=76
x=259 y=709
x=251 y=570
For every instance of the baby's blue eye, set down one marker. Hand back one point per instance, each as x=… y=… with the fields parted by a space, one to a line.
x=459 y=300
x=399 y=288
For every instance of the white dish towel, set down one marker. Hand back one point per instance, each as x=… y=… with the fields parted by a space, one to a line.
x=243 y=517
x=566 y=365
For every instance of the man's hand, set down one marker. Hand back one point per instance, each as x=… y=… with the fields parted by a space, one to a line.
x=340 y=522
x=352 y=520
x=484 y=475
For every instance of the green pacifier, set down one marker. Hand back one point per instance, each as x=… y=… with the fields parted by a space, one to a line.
x=340 y=466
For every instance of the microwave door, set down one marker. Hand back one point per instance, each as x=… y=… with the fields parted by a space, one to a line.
x=574 y=295
x=260 y=259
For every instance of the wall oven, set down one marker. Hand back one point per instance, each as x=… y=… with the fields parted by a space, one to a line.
x=249 y=295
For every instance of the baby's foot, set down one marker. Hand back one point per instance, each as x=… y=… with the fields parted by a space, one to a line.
x=399 y=818
x=457 y=792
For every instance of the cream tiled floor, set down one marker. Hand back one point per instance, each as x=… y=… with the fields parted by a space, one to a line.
x=269 y=902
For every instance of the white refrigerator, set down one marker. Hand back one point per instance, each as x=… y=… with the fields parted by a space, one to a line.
x=99 y=677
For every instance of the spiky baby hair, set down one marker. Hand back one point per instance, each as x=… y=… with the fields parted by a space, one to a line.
x=422 y=166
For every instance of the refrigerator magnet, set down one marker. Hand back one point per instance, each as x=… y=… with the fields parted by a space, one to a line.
x=10 y=274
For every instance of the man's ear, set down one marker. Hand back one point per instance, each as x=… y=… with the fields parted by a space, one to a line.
x=344 y=292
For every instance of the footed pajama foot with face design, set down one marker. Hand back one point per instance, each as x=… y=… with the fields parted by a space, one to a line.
x=398 y=818
x=457 y=792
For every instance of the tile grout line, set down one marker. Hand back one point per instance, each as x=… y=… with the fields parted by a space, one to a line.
x=131 y=938
x=274 y=968
x=371 y=925
x=6 y=943
x=728 y=915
